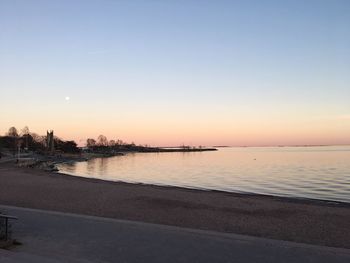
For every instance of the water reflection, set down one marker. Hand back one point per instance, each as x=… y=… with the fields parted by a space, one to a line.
x=317 y=172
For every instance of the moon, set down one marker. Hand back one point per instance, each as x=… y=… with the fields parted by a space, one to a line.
x=67 y=98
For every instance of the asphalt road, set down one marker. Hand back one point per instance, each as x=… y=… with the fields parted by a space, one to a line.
x=58 y=237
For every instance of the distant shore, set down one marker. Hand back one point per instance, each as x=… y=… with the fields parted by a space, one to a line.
x=48 y=160
x=306 y=221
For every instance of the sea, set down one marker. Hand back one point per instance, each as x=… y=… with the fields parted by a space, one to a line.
x=319 y=172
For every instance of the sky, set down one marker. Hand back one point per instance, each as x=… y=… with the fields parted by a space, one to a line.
x=168 y=73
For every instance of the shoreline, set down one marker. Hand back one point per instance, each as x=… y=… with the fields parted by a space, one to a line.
x=302 y=200
x=50 y=162
x=299 y=220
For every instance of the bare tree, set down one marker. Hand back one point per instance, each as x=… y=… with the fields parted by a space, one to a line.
x=102 y=140
x=90 y=142
x=12 y=132
x=25 y=134
x=38 y=138
x=25 y=130
x=119 y=142
x=112 y=143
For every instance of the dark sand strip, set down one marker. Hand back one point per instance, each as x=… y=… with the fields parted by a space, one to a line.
x=278 y=218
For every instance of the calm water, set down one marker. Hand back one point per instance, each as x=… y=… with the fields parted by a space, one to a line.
x=307 y=172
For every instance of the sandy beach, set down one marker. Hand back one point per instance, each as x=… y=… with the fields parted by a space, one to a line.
x=305 y=221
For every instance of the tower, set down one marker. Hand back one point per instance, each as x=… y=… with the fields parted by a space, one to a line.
x=50 y=145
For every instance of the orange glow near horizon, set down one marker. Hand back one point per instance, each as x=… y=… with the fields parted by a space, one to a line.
x=175 y=132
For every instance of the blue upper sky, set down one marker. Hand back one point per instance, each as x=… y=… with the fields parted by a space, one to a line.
x=211 y=63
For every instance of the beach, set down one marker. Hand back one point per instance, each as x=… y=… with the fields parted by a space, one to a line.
x=305 y=221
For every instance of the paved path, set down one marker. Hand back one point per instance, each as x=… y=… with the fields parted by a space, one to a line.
x=56 y=237
x=7 y=160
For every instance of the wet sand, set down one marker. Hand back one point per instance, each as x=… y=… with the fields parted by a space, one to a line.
x=303 y=221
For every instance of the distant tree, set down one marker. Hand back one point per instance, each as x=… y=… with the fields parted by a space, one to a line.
x=25 y=131
x=13 y=139
x=36 y=142
x=12 y=132
x=66 y=146
x=25 y=135
x=102 y=140
x=112 y=143
x=119 y=142
x=38 y=138
x=90 y=142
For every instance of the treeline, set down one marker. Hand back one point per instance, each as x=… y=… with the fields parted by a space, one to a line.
x=26 y=141
x=33 y=142
x=104 y=142
x=111 y=147
x=103 y=145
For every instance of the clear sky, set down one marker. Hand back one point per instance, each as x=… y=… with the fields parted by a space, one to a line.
x=173 y=72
